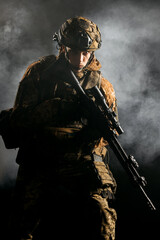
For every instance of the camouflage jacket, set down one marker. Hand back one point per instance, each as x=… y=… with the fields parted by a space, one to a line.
x=46 y=102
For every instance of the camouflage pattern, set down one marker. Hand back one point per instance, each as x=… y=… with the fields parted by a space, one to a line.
x=36 y=192
x=55 y=152
x=108 y=220
x=76 y=29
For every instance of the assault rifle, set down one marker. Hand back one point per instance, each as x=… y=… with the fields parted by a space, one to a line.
x=106 y=123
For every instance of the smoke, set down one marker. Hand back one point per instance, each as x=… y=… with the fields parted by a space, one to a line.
x=129 y=56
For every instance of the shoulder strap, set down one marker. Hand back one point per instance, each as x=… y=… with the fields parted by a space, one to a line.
x=92 y=79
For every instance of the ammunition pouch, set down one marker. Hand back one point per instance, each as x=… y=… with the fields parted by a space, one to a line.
x=104 y=175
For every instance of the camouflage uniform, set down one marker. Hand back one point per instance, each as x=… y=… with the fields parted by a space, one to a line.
x=57 y=177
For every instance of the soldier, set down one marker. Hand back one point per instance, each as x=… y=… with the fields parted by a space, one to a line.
x=63 y=186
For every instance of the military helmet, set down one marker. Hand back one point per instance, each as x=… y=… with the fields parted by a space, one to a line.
x=79 y=33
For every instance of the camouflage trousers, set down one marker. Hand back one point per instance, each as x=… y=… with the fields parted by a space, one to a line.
x=45 y=208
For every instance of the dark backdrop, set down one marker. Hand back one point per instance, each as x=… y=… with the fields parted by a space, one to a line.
x=130 y=61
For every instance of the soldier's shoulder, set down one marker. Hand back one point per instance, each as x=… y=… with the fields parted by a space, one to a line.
x=109 y=92
x=42 y=62
x=105 y=84
x=35 y=69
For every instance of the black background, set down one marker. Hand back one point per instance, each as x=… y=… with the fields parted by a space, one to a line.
x=130 y=61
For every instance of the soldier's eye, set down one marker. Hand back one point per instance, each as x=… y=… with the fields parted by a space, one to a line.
x=86 y=53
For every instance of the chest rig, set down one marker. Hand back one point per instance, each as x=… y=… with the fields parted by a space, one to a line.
x=54 y=84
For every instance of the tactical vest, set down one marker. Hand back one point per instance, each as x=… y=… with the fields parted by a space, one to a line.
x=50 y=85
x=53 y=84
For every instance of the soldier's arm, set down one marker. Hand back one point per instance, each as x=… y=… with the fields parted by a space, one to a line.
x=28 y=112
